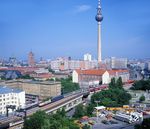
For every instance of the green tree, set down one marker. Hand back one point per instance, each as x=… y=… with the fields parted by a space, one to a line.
x=86 y=126
x=112 y=97
x=36 y=121
x=112 y=83
x=145 y=124
x=27 y=76
x=141 y=85
x=90 y=109
x=40 y=120
x=50 y=70
x=79 y=111
x=62 y=112
x=119 y=83
x=68 y=85
x=142 y=98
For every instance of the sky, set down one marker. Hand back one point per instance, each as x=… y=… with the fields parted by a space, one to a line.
x=61 y=28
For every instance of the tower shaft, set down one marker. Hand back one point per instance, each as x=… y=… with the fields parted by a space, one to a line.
x=99 y=49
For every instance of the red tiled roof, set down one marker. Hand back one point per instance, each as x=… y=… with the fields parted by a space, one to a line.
x=91 y=71
x=99 y=72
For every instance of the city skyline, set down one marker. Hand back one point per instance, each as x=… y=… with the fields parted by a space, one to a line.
x=62 y=28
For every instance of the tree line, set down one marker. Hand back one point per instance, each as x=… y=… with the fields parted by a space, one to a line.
x=141 y=85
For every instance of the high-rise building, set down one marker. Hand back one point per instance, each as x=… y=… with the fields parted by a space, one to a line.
x=87 y=57
x=148 y=65
x=119 y=63
x=65 y=64
x=31 y=61
x=99 y=19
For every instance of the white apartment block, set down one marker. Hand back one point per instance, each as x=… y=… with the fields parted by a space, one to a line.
x=9 y=96
x=87 y=57
x=118 y=63
x=64 y=64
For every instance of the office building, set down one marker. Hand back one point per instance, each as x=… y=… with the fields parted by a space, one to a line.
x=11 y=96
x=43 y=89
x=119 y=63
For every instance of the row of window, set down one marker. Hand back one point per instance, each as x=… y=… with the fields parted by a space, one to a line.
x=6 y=95
x=8 y=99
x=12 y=102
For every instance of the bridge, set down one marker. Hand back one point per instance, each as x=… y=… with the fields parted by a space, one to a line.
x=67 y=103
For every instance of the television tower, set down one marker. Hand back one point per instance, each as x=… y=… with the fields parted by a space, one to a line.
x=99 y=19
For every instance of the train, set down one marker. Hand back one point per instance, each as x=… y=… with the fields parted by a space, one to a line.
x=41 y=104
x=33 y=105
x=54 y=99
x=44 y=103
x=98 y=88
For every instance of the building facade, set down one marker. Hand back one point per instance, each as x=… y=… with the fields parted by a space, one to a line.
x=119 y=63
x=43 y=89
x=65 y=64
x=87 y=57
x=10 y=96
x=31 y=60
x=94 y=77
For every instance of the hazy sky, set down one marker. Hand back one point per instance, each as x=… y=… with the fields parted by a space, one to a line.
x=53 y=28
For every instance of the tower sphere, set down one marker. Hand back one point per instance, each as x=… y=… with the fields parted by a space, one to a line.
x=99 y=17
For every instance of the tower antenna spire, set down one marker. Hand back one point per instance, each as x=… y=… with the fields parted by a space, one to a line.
x=99 y=3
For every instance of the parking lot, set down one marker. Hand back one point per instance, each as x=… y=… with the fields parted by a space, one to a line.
x=103 y=123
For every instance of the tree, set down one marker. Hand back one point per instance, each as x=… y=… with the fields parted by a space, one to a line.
x=90 y=109
x=116 y=83
x=145 y=124
x=141 y=85
x=50 y=70
x=79 y=111
x=86 y=126
x=112 y=97
x=62 y=112
x=68 y=85
x=40 y=120
x=36 y=121
x=119 y=83
x=27 y=76
x=142 y=98
x=112 y=83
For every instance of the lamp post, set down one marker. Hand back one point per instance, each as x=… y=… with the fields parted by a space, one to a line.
x=96 y=109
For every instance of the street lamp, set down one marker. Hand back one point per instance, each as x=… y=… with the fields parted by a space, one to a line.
x=96 y=101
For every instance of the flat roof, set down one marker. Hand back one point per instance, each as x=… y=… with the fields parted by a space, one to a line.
x=6 y=90
x=33 y=82
x=100 y=108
